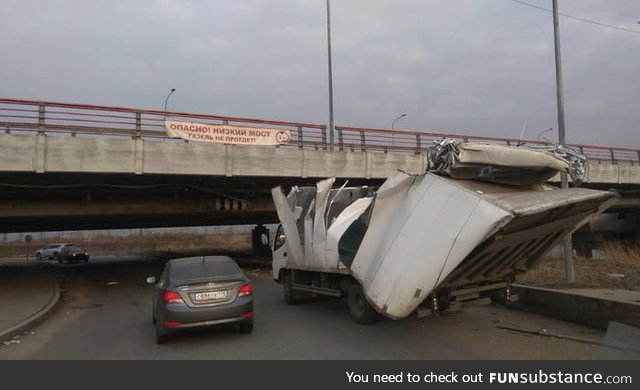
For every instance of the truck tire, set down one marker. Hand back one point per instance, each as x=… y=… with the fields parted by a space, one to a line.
x=360 y=310
x=287 y=291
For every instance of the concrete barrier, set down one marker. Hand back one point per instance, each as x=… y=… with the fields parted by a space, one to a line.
x=588 y=310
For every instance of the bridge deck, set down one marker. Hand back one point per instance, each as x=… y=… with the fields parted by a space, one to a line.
x=67 y=166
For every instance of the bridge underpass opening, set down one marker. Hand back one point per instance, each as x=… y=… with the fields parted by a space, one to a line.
x=140 y=211
x=50 y=202
x=153 y=244
x=55 y=202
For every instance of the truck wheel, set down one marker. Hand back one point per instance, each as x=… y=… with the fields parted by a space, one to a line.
x=360 y=310
x=287 y=291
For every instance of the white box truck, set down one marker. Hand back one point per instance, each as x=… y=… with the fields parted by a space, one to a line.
x=427 y=239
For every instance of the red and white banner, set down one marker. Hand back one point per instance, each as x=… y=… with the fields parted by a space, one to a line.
x=226 y=134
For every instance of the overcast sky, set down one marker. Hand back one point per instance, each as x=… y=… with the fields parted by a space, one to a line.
x=463 y=66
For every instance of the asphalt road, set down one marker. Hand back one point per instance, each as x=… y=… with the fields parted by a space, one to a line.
x=105 y=313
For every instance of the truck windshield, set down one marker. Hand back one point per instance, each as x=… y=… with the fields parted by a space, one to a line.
x=280 y=238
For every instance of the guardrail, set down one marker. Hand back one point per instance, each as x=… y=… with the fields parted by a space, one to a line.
x=83 y=120
x=66 y=119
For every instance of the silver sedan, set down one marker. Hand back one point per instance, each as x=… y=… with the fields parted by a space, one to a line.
x=201 y=291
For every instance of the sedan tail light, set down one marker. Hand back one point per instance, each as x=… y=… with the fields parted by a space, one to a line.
x=171 y=297
x=246 y=289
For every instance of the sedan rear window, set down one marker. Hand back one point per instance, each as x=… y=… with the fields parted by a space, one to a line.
x=192 y=272
x=198 y=270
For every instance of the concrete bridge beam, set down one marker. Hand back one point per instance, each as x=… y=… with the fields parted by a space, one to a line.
x=21 y=216
x=43 y=154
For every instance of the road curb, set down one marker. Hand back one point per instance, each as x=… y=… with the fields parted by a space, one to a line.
x=36 y=317
x=591 y=311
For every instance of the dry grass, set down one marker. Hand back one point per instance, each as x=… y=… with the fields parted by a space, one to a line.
x=620 y=269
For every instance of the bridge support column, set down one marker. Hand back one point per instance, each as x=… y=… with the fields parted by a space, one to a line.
x=228 y=153
x=40 y=153
x=304 y=164
x=139 y=156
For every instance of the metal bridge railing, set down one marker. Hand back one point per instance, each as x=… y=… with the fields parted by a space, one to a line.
x=82 y=120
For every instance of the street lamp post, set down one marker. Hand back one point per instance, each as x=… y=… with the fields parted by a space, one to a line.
x=393 y=124
x=544 y=132
x=165 y=114
x=331 y=126
x=564 y=183
x=393 y=135
x=166 y=100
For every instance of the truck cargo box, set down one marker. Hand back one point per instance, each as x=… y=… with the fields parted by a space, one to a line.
x=420 y=234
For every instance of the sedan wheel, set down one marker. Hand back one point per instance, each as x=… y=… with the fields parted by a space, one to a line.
x=245 y=328
x=161 y=337
x=38 y=257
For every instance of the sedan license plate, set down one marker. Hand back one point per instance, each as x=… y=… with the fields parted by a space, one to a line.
x=210 y=296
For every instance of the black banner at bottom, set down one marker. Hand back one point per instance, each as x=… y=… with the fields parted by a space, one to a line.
x=342 y=374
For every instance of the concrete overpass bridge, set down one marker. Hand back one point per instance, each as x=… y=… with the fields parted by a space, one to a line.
x=75 y=166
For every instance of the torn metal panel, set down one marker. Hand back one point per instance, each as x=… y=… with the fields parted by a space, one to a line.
x=504 y=164
x=300 y=199
x=578 y=161
x=319 y=235
x=342 y=198
x=350 y=241
x=337 y=230
x=320 y=215
x=307 y=234
x=285 y=214
x=509 y=156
